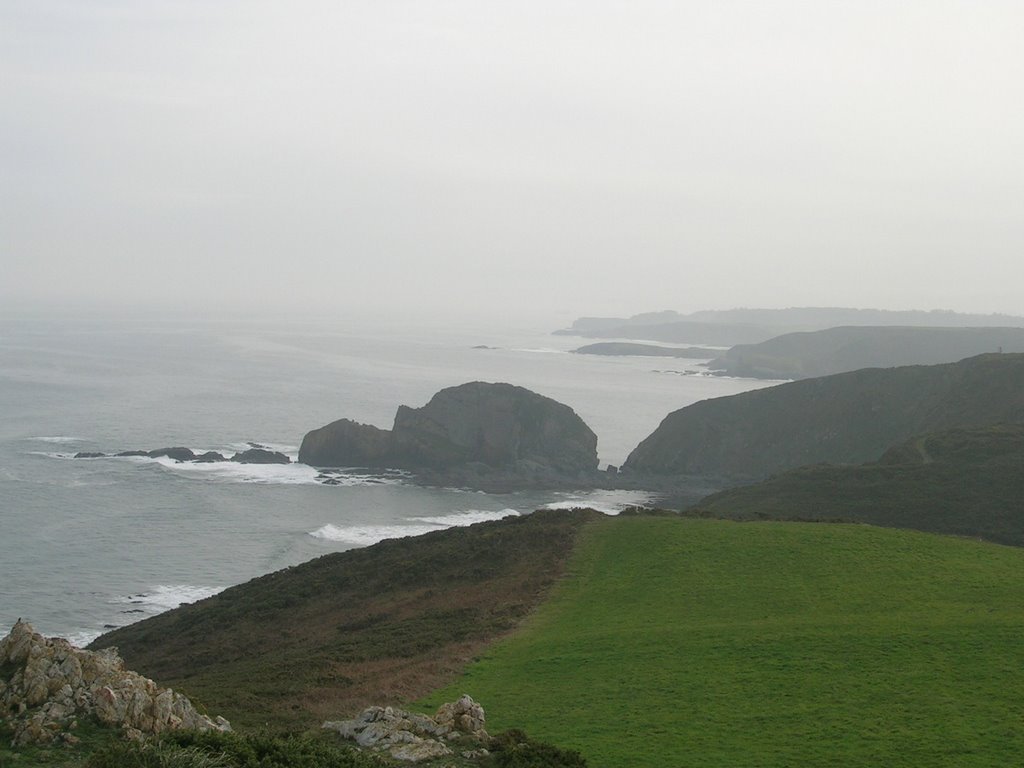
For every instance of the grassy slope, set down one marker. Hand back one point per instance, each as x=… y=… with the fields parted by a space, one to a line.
x=682 y=642
x=964 y=482
x=377 y=625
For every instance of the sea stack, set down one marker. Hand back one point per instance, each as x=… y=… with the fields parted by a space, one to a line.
x=498 y=425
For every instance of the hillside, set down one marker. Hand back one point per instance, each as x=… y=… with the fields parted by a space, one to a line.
x=750 y=326
x=964 y=482
x=682 y=332
x=836 y=350
x=846 y=418
x=711 y=643
x=378 y=625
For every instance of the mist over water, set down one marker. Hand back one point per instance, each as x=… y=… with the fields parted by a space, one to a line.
x=89 y=544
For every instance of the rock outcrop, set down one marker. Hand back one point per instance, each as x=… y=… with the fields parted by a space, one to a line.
x=346 y=443
x=260 y=456
x=499 y=426
x=410 y=736
x=47 y=684
x=255 y=454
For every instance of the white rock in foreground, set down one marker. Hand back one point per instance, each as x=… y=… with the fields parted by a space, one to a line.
x=414 y=737
x=47 y=684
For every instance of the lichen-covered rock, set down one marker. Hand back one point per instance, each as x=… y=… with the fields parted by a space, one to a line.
x=48 y=684
x=414 y=737
x=498 y=426
x=464 y=715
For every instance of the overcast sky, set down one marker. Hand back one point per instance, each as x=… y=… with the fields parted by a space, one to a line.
x=578 y=157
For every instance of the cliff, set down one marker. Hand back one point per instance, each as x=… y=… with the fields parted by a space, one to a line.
x=847 y=418
x=837 y=350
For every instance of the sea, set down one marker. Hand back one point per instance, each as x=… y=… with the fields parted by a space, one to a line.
x=88 y=545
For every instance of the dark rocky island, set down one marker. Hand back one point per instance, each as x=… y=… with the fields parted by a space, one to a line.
x=472 y=432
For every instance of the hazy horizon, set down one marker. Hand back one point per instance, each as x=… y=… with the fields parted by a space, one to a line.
x=445 y=159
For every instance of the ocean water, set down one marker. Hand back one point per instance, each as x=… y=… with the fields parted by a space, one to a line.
x=91 y=544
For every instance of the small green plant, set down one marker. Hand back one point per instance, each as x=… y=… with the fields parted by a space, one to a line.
x=513 y=749
x=154 y=755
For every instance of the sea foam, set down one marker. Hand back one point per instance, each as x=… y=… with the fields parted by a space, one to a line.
x=609 y=502
x=164 y=597
x=365 y=535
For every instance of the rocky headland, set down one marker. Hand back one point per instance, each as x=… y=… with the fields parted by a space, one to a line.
x=837 y=350
x=846 y=418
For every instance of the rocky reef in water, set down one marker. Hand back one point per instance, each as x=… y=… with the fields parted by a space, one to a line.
x=464 y=435
x=47 y=685
x=255 y=454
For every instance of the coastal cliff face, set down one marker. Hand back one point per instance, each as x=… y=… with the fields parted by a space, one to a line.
x=846 y=418
x=499 y=425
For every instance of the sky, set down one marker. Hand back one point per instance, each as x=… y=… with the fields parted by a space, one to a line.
x=551 y=158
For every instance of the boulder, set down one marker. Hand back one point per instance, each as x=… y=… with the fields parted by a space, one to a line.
x=89 y=455
x=178 y=453
x=414 y=737
x=47 y=684
x=209 y=457
x=498 y=426
x=260 y=456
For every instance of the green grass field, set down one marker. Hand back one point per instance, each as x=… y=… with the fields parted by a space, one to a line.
x=681 y=642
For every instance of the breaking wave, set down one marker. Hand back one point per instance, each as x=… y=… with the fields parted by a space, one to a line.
x=365 y=535
x=163 y=597
x=608 y=502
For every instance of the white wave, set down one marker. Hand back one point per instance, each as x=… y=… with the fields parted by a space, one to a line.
x=233 y=471
x=84 y=637
x=59 y=439
x=541 y=350
x=467 y=517
x=237 y=472
x=52 y=454
x=164 y=597
x=608 y=502
x=365 y=535
x=348 y=478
